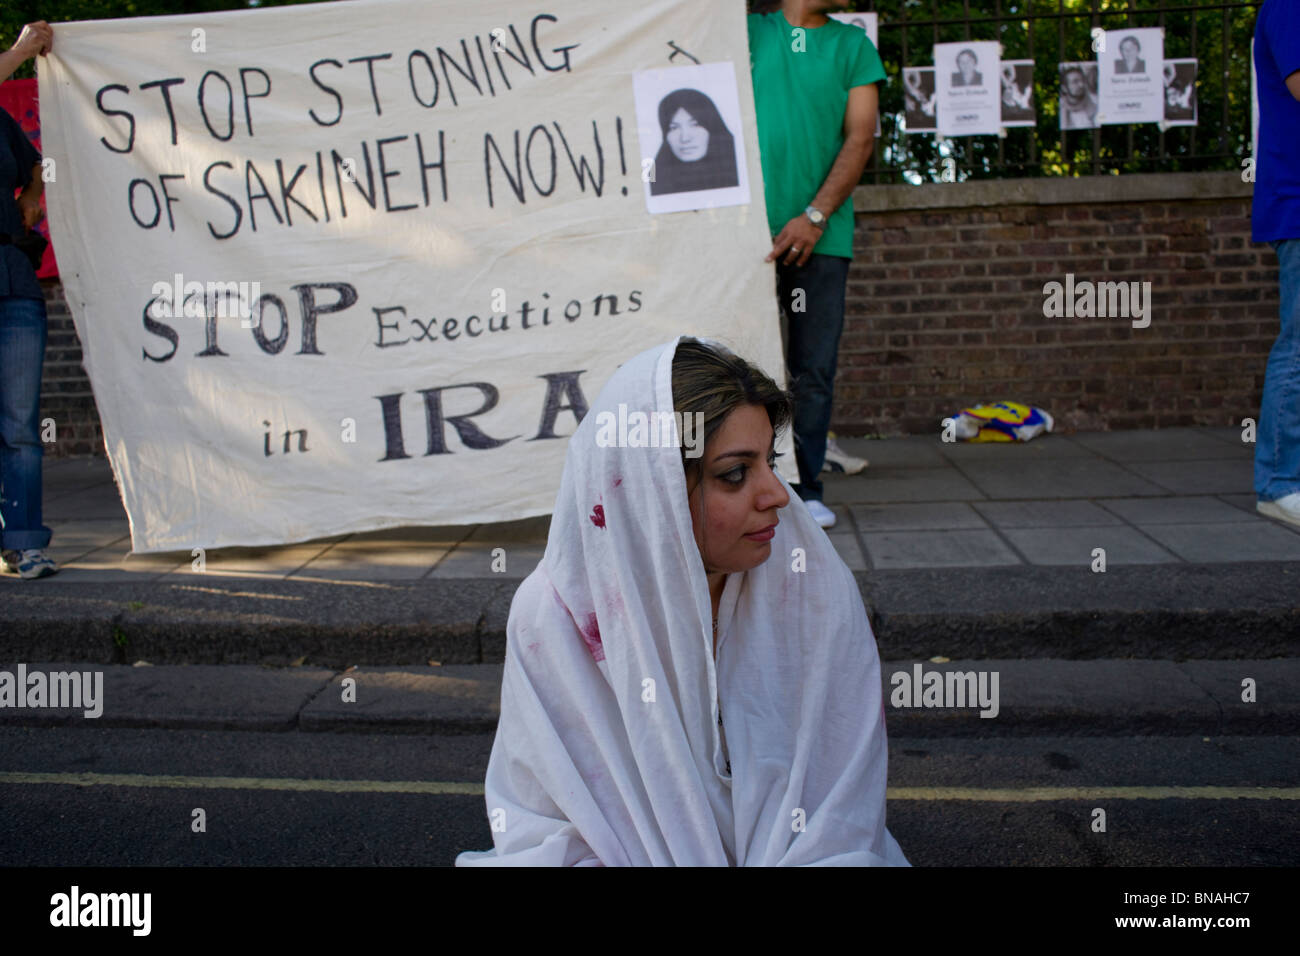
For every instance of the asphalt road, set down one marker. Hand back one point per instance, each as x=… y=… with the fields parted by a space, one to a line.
x=1025 y=801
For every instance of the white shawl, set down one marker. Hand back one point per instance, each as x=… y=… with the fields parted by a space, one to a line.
x=608 y=752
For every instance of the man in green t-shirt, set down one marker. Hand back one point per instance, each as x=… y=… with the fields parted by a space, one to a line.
x=816 y=102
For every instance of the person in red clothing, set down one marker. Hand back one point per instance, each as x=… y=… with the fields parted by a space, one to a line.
x=23 y=537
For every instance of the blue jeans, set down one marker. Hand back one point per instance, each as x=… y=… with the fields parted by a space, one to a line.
x=1277 y=439
x=812 y=298
x=22 y=353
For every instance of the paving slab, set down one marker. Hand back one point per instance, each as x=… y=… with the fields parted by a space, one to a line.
x=933 y=549
x=1058 y=478
x=1245 y=502
x=1042 y=448
x=1164 y=445
x=901 y=484
x=1199 y=477
x=117 y=562
x=270 y=562
x=393 y=554
x=97 y=501
x=1192 y=509
x=1214 y=543
x=1075 y=546
x=1045 y=514
x=916 y=451
x=932 y=516
x=1228 y=433
x=478 y=559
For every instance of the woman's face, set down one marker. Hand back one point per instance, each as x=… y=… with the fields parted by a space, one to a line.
x=688 y=140
x=738 y=493
x=1129 y=50
x=966 y=63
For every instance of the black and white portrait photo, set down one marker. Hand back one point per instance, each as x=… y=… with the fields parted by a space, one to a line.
x=1180 y=92
x=966 y=73
x=1130 y=56
x=918 y=99
x=698 y=150
x=692 y=149
x=1079 y=95
x=1018 y=93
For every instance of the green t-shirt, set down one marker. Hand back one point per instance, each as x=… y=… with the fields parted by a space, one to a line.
x=800 y=96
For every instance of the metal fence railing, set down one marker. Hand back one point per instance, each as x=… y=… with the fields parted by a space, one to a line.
x=1050 y=32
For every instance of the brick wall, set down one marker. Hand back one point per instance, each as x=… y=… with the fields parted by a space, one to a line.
x=946 y=308
x=65 y=390
x=946 y=303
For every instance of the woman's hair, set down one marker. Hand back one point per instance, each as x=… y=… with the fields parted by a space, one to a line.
x=706 y=380
x=695 y=103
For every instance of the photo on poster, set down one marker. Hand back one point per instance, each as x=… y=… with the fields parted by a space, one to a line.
x=869 y=23
x=968 y=83
x=1180 y=92
x=1130 y=86
x=1079 y=95
x=691 y=138
x=919 y=99
x=1018 y=93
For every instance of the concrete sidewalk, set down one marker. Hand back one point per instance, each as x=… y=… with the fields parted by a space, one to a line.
x=961 y=550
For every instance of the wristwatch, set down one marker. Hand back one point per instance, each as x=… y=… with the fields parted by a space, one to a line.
x=817 y=216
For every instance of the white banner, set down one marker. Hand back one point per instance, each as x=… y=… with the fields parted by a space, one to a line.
x=350 y=266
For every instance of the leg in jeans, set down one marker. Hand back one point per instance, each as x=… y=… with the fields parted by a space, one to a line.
x=22 y=352
x=1277 y=440
x=812 y=298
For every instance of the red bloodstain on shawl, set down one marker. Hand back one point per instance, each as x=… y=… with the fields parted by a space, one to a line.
x=598 y=516
x=617 y=482
x=591 y=636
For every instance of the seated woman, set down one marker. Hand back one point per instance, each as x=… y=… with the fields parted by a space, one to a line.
x=690 y=676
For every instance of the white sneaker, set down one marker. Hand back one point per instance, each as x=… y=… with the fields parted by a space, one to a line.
x=838 y=460
x=821 y=514
x=1286 y=508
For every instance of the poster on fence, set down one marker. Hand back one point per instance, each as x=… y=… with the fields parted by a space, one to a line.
x=351 y=266
x=967 y=82
x=1180 y=91
x=1018 y=93
x=1130 y=70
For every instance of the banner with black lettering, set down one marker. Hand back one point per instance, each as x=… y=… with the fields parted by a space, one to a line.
x=349 y=266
